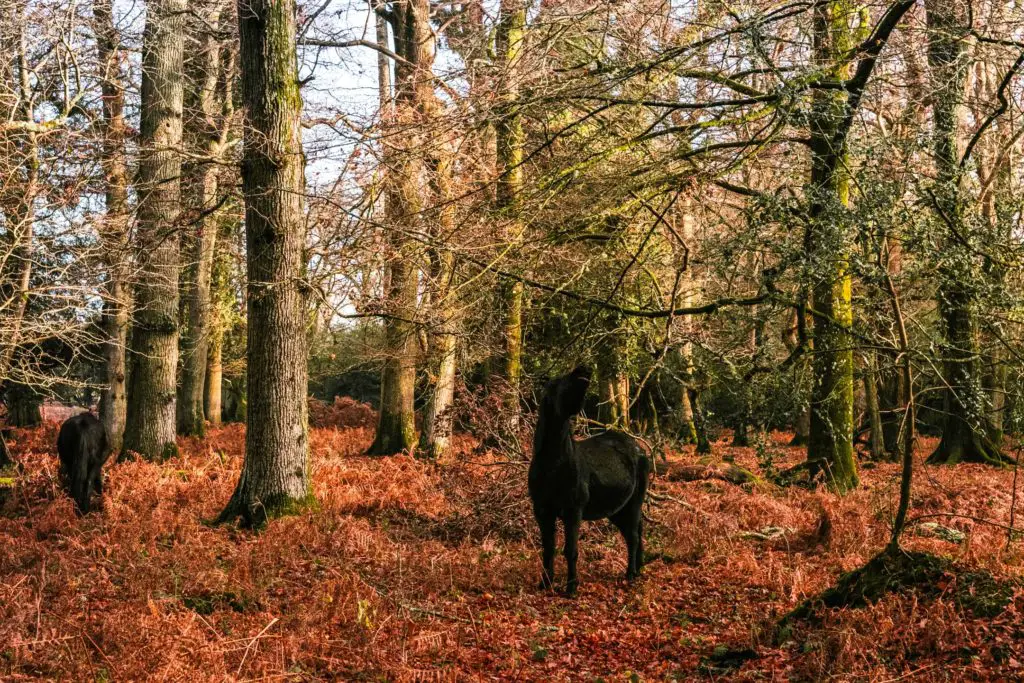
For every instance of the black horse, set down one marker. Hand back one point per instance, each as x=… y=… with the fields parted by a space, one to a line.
x=83 y=448
x=604 y=476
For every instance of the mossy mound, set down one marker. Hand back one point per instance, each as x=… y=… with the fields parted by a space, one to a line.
x=901 y=571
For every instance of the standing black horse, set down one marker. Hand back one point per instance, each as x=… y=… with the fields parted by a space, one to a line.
x=83 y=448
x=604 y=476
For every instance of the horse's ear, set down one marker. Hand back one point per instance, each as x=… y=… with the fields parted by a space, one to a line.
x=574 y=390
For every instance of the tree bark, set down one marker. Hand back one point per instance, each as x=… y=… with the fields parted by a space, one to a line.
x=210 y=135
x=509 y=137
x=149 y=427
x=793 y=336
x=963 y=435
x=212 y=402
x=830 y=446
x=275 y=475
x=413 y=111
x=874 y=414
x=18 y=193
x=115 y=227
x=437 y=414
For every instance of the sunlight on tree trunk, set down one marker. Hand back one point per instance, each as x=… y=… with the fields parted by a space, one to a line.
x=275 y=475
x=115 y=226
x=830 y=444
x=149 y=427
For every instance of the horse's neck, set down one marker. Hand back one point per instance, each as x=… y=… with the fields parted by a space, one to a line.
x=553 y=440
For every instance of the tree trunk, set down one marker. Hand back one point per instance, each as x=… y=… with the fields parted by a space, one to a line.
x=437 y=414
x=509 y=140
x=24 y=405
x=874 y=413
x=275 y=476
x=149 y=427
x=18 y=194
x=963 y=435
x=793 y=336
x=412 y=112
x=115 y=227
x=699 y=423
x=614 y=407
x=687 y=430
x=830 y=446
x=209 y=140
x=214 y=376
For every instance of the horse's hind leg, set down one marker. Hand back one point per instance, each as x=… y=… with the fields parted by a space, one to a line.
x=626 y=524
x=636 y=506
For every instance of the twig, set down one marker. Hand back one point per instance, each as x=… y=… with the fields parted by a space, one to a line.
x=253 y=642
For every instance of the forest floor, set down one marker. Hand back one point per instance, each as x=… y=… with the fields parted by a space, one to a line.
x=415 y=571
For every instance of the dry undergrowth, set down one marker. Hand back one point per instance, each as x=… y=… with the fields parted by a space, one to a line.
x=416 y=571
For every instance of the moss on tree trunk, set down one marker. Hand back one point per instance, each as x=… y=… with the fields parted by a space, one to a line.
x=830 y=442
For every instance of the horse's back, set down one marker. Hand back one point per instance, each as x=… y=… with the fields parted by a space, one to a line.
x=613 y=463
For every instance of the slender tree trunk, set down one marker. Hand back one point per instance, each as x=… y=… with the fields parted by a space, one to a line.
x=793 y=336
x=18 y=203
x=437 y=414
x=116 y=304
x=830 y=447
x=413 y=108
x=687 y=429
x=214 y=376
x=614 y=410
x=149 y=427
x=874 y=413
x=24 y=405
x=211 y=136
x=509 y=140
x=275 y=476
x=963 y=434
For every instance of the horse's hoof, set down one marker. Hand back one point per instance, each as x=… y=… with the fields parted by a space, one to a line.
x=570 y=591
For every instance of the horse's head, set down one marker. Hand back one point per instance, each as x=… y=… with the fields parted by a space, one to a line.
x=563 y=397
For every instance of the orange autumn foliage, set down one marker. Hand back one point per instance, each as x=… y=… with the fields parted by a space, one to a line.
x=419 y=571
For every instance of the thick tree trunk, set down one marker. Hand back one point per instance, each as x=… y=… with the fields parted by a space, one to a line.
x=116 y=304
x=509 y=140
x=830 y=446
x=275 y=476
x=963 y=434
x=149 y=428
x=209 y=139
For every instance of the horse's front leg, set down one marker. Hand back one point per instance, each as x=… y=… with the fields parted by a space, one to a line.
x=572 y=536
x=547 y=540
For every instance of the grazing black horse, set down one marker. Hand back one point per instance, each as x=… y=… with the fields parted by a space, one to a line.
x=83 y=448
x=604 y=476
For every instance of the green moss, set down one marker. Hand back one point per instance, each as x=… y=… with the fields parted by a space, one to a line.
x=170 y=450
x=276 y=507
x=206 y=603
